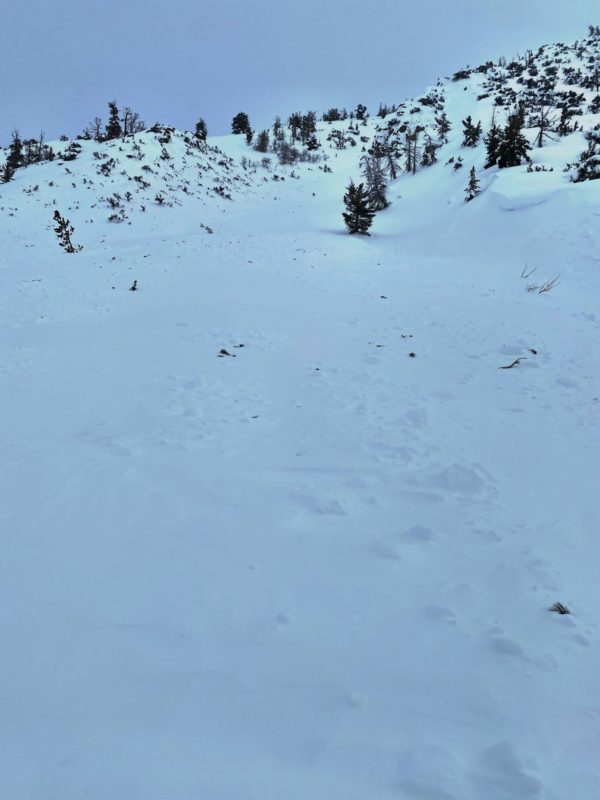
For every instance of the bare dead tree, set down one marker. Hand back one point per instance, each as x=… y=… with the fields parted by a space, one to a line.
x=545 y=122
x=131 y=122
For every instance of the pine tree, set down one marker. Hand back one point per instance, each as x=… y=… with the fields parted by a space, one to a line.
x=492 y=141
x=360 y=112
x=15 y=153
x=278 y=132
x=7 y=173
x=262 y=142
x=201 y=131
x=444 y=127
x=295 y=125
x=113 y=127
x=588 y=168
x=471 y=133
x=64 y=230
x=564 y=125
x=472 y=189
x=287 y=153
x=376 y=184
x=240 y=123
x=308 y=126
x=514 y=147
x=359 y=214
x=411 y=149
x=429 y=154
x=387 y=152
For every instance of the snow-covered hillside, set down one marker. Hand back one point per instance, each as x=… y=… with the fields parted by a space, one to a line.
x=281 y=524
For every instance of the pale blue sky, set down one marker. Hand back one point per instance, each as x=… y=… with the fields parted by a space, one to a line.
x=175 y=60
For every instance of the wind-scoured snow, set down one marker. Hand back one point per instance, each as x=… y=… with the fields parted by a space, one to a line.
x=318 y=564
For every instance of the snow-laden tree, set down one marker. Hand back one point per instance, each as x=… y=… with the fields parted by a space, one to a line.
x=359 y=213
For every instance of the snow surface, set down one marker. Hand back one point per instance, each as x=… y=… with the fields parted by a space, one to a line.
x=317 y=567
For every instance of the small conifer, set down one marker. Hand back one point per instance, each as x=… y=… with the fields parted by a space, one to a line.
x=472 y=189
x=471 y=132
x=359 y=212
x=64 y=230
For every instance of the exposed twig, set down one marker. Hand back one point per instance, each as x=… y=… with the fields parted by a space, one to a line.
x=526 y=275
x=559 y=608
x=549 y=284
x=514 y=363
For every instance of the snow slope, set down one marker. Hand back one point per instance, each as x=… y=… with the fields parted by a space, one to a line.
x=318 y=566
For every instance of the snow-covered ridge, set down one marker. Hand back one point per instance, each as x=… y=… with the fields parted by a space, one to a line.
x=118 y=181
x=558 y=83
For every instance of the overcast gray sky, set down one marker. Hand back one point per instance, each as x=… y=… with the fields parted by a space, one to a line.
x=176 y=60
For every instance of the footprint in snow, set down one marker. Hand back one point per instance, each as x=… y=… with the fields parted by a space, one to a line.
x=501 y=767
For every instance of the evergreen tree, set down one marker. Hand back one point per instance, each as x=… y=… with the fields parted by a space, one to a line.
x=113 y=127
x=249 y=136
x=377 y=149
x=387 y=151
x=429 y=154
x=472 y=189
x=64 y=230
x=295 y=125
x=492 y=141
x=411 y=149
x=361 y=111
x=359 y=213
x=262 y=142
x=201 y=131
x=240 y=123
x=7 y=173
x=15 y=153
x=287 y=153
x=514 y=147
x=308 y=126
x=471 y=133
x=588 y=168
x=278 y=132
x=372 y=169
x=564 y=125
x=520 y=111
x=443 y=126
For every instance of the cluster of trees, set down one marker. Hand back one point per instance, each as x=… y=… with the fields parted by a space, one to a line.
x=471 y=132
x=359 y=113
x=384 y=110
x=508 y=146
x=282 y=139
x=119 y=125
x=303 y=128
x=22 y=153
